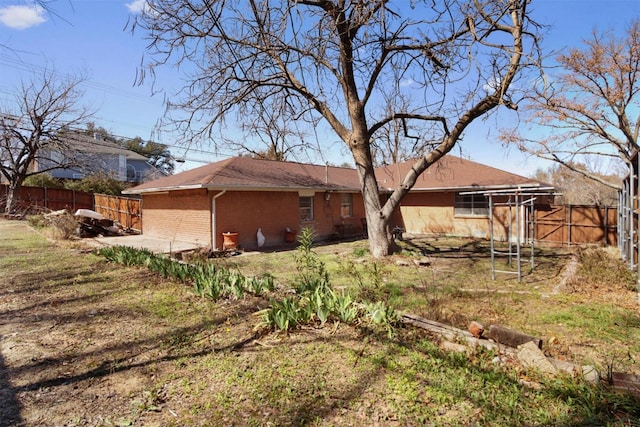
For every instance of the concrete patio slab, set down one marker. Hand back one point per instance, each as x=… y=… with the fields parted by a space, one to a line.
x=159 y=246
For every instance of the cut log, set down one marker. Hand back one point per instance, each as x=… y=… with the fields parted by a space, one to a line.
x=511 y=338
x=449 y=332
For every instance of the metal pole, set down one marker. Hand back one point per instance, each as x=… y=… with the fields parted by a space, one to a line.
x=518 y=236
x=634 y=210
x=622 y=200
x=632 y=197
x=533 y=231
x=624 y=232
x=510 y=233
x=493 y=261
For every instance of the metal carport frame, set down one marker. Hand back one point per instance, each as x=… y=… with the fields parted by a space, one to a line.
x=522 y=200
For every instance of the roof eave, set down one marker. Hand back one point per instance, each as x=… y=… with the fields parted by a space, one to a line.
x=162 y=189
x=279 y=188
x=238 y=188
x=526 y=186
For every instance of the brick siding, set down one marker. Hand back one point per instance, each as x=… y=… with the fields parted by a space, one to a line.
x=179 y=215
x=186 y=215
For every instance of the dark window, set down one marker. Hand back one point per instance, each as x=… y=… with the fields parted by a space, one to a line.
x=471 y=204
x=306 y=209
x=346 y=205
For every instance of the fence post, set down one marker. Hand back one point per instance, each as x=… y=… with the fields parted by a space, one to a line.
x=569 y=225
x=606 y=225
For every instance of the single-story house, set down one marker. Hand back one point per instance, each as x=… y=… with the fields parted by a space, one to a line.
x=241 y=195
x=227 y=202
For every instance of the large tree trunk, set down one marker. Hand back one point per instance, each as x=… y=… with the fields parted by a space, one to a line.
x=381 y=241
x=12 y=197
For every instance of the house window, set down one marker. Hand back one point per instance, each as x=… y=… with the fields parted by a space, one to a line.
x=306 y=209
x=346 y=205
x=471 y=205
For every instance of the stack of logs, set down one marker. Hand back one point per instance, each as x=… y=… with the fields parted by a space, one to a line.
x=525 y=348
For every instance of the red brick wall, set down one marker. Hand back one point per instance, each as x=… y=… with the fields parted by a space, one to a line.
x=246 y=211
x=327 y=215
x=179 y=215
x=186 y=215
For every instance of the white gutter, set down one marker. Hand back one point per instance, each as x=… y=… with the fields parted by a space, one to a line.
x=213 y=219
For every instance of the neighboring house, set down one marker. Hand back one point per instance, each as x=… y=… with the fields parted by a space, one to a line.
x=241 y=195
x=88 y=155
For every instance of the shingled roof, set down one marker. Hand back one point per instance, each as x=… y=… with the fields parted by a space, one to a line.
x=245 y=173
x=454 y=173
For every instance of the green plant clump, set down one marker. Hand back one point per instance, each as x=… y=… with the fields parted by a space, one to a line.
x=315 y=300
x=208 y=280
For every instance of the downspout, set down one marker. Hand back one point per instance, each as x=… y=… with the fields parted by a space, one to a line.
x=213 y=219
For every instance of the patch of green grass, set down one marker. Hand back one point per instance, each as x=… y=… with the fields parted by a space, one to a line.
x=598 y=321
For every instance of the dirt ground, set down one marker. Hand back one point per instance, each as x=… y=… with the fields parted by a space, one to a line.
x=100 y=345
x=68 y=347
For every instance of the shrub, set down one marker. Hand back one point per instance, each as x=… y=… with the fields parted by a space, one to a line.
x=45 y=180
x=102 y=184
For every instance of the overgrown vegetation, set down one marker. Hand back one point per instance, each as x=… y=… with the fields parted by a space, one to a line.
x=59 y=225
x=603 y=267
x=97 y=183
x=314 y=301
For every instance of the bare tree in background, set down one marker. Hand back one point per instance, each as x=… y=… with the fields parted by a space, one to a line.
x=576 y=190
x=274 y=133
x=591 y=108
x=357 y=66
x=31 y=127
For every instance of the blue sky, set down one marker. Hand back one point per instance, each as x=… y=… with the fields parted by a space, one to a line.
x=91 y=36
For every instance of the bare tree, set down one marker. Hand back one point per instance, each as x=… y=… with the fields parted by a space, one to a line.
x=591 y=108
x=576 y=190
x=356 y=66
x=31 y=127
x=274 y=132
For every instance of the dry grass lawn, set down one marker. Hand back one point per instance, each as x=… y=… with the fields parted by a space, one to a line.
x=89 y=343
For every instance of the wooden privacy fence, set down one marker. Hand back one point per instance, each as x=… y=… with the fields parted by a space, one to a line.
x=126 y=211
x=573 y=224
x=38 y=199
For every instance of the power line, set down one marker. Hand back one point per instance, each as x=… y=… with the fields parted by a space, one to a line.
x=25 y=66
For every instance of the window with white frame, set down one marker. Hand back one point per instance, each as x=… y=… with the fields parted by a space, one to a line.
x=471 y=205
x=346 y=205
x=306 y=209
